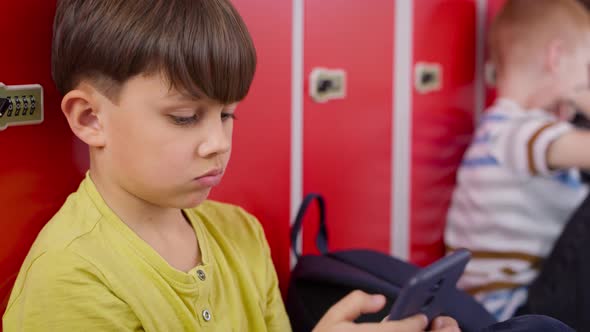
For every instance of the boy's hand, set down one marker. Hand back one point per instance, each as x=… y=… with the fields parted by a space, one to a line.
x=565 y=111
x=340 y=318
x=445 y=324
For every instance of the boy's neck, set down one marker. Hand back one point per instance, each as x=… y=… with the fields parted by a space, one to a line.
x=526 y=92
x=137 y=213
x=166 y=230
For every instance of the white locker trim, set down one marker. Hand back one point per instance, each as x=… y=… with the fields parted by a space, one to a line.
x=296 y=117
x=402 y=128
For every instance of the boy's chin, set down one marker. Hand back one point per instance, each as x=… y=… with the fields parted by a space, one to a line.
x=183 y=201
x=192 y=202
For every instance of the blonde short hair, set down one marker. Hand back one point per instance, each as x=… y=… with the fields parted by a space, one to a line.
x=525 y=27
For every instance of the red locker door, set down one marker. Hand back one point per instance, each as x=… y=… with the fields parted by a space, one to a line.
x=347 y=143
x=41 y=164
x=445 y=34
x=258 y=173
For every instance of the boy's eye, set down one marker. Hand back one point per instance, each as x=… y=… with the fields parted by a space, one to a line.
x=226 y=116
x=184 y=120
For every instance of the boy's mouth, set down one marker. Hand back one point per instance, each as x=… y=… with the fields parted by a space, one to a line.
x=211 y=178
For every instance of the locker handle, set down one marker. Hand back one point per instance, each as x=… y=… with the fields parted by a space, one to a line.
x=428 y=77
x=327 y=84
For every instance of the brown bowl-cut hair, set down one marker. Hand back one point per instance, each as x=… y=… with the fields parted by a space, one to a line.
x=202 y=47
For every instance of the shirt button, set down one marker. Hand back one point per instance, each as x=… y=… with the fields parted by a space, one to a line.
x=206 y=315
x=201 y=275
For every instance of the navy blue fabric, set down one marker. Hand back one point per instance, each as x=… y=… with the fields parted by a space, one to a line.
x=319 y=281
x=531 y=323
x=322 y=236
x=470 y=314
x=562 y=290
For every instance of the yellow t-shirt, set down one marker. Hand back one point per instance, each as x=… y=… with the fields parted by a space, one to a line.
x=87 y=271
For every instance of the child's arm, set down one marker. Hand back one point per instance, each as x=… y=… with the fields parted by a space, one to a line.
x=538 y=146
x=572 y=149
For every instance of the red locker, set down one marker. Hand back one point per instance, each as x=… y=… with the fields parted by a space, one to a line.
x=347 y=143
x=258 y=174
x=42 y=163
x=442 y=120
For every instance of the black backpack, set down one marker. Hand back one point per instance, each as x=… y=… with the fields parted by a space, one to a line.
x=562 y=288
x=319 y=281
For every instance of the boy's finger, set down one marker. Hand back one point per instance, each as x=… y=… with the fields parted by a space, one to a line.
x=415 y=323
x=448 y=329
x=442 y=322
x=353 y=305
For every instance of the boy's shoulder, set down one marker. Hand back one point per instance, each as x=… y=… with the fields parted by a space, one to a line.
x=233 y=229
x=511 y=109
x=54 y=259
x=76 y=219
x=231 y=218
x=504 y=109
x=505 y=113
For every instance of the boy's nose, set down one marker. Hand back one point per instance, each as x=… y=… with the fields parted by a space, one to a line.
x=217 y=140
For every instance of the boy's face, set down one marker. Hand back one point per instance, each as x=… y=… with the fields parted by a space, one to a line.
x=162 y=147
x=575 y=74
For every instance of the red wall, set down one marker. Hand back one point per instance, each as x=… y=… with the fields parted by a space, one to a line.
x=41 y=164
x=444 y=33
x=347 y=143
x=258 y=173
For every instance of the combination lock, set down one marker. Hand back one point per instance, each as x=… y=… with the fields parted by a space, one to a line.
x=20 y=105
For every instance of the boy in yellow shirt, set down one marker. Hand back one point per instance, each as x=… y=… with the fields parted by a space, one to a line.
x=152 y=88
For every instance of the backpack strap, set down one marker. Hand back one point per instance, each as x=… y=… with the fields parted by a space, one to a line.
x=322 y=235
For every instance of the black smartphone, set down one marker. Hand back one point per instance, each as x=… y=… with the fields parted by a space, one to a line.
x=429 y=291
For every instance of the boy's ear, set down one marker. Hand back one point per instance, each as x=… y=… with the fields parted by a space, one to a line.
x=80 y=107
x=554 y=56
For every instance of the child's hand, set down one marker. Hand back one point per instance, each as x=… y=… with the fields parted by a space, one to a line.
x=565 y=111
x=445 y=324
x=340 y=318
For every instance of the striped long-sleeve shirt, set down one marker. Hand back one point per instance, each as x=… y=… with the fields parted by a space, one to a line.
x=509 y=207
